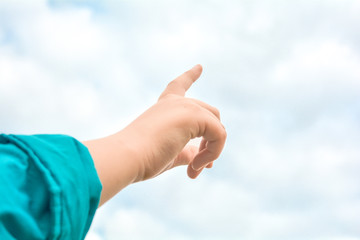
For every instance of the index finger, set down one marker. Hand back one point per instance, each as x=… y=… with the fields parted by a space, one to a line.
x=181 y=84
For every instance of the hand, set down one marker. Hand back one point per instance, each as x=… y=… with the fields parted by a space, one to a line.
x=160 y=134
x=156 y=140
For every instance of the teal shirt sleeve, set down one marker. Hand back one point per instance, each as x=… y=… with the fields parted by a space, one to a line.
x=49 y=188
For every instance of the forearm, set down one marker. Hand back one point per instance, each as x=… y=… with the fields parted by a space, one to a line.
x=116 y=163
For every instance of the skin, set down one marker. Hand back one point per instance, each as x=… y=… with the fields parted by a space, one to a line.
x=157 y=140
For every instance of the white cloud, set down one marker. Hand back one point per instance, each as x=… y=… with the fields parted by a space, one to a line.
x=68 y=37
x=285 y=75
x=132 y=224
x=320 y=63
x=93 y=236
x=56 y=58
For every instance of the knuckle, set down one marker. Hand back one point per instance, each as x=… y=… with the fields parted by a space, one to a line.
x=216 y=112
x=192 y=106
x=216 y=155
x=223 y=135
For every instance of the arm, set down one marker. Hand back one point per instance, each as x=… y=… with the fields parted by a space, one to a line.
x=156 y=140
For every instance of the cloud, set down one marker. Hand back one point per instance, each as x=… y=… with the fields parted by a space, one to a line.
x=285 y=76
x=133 y=224
x=56 y=59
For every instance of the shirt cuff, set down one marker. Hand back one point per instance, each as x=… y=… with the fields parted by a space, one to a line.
x=58 y=188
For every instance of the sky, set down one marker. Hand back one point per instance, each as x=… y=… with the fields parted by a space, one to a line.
x=284 y=74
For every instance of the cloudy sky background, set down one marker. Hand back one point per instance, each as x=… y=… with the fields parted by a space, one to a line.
x=285 y=75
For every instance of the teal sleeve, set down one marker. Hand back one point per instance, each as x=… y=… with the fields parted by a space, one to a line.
x=49 y=188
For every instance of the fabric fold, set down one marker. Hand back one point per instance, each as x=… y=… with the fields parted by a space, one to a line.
x=49 y=188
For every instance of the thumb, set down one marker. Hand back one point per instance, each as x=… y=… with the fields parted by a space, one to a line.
x=186 y=156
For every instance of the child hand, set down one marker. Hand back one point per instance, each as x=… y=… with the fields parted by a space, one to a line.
x=160 y=135
x=156 y=140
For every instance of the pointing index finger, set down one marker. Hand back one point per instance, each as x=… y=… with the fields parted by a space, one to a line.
x=181 y=84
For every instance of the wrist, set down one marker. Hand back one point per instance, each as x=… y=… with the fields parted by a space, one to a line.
x=129 y=154
x=114 y=163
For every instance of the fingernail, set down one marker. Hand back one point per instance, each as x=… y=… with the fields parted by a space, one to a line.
x=192 y=166
x=197 y=169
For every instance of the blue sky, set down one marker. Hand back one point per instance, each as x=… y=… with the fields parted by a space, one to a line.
x=285 y=75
